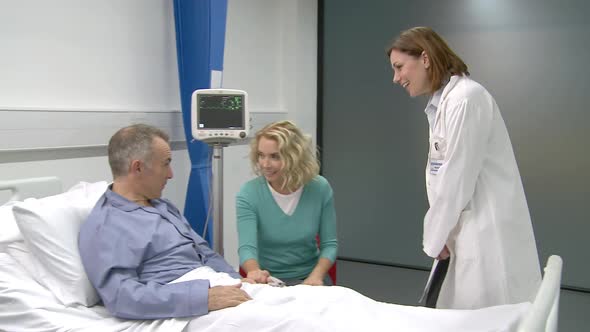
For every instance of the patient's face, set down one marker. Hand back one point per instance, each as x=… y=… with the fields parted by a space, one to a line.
x=269 y=162
x=158 y=170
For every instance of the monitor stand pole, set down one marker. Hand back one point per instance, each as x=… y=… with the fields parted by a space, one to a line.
x=217 y=196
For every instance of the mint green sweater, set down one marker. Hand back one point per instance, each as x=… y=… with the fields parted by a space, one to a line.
x=286 y=245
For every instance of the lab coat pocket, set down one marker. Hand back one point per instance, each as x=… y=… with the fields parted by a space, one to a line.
x=466 y=241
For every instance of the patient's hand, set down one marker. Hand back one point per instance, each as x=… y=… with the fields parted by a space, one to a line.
x=221 y=297
x=313 y=281
x=259 y=276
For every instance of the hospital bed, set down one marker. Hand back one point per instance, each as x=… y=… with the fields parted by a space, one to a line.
x=43 y=286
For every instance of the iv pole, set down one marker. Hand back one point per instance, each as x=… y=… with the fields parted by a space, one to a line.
x=217 y=194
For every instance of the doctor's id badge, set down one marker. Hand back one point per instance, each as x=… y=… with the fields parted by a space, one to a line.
x=435 y=165
x=436 y=156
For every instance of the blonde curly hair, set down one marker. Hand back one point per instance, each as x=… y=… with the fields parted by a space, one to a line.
x=296 y=150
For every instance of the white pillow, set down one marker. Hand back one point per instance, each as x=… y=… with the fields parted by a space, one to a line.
x=10 y=232
x=50 y=228
x=19 y=251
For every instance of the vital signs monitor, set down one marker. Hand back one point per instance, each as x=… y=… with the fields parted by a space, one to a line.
x=219 y=115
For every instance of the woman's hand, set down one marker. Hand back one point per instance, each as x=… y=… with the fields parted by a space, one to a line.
x=250 y=281
x=259 y=276
x=316 y=277
x=313 y=281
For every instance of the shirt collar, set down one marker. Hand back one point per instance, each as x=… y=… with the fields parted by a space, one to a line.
x=435 y=98
x=125 y=204
x=433 y=104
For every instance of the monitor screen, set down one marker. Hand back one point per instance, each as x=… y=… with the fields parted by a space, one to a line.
x=220 y=111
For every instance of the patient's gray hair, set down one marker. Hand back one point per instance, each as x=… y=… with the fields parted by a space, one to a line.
x=132 y=143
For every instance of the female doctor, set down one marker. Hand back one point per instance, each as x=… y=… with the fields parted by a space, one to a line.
x=478 y=226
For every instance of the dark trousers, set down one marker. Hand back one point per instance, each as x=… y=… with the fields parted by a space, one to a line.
x=436 y=283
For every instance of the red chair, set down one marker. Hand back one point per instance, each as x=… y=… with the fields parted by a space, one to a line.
x=331 y=271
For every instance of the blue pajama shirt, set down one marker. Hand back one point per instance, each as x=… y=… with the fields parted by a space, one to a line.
x=131 y=252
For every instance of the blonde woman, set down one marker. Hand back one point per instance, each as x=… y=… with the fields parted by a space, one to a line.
x=282 y=211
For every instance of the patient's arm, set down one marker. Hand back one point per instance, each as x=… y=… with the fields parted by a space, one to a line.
x=111 y=258
x=221 y=297
x=213 y=259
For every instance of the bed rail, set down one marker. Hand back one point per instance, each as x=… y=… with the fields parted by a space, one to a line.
x=542 y=317
x=31 y=187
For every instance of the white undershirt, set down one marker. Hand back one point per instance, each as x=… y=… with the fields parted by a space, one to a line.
x=288 y=202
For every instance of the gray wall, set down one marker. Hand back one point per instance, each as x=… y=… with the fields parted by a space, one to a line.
x=531 y=55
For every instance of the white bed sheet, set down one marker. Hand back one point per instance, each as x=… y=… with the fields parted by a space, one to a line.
x=26 y=306
x=308 y=308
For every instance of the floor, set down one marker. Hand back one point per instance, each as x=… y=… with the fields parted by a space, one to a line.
x=404 y=286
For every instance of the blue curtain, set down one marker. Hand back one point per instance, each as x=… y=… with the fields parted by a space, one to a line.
x=200 y=38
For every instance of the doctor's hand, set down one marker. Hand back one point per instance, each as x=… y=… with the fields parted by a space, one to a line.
x=259 y=276
x=444 y=254
x=221 y=297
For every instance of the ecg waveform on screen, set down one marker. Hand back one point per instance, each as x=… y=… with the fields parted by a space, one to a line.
x=228 y=103
x=223 y=112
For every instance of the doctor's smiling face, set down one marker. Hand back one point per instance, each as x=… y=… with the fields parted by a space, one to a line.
x=411 y=72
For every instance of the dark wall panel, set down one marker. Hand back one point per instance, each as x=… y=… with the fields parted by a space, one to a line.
x=531 y=55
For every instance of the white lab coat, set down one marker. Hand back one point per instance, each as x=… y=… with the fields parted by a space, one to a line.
x=477 y=204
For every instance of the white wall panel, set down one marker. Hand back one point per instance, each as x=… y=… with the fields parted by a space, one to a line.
x=74 y=71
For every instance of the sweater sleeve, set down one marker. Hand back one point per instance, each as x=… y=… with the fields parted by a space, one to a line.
x=247 y=220
x=328 y=234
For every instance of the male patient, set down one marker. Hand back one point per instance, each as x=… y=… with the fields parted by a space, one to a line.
x=134 y=242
